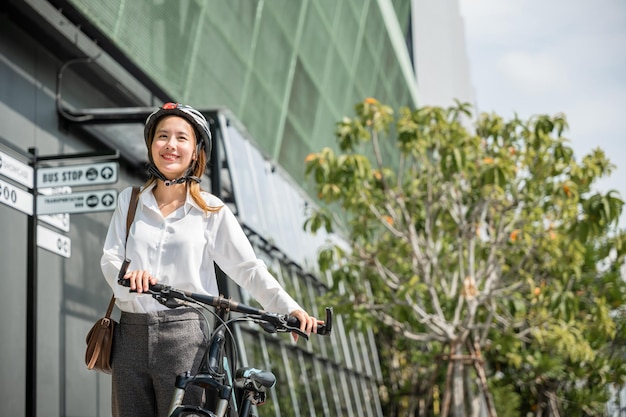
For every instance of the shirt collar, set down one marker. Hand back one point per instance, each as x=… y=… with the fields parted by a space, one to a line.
x=189 y=201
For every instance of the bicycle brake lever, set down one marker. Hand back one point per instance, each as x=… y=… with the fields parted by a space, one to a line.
x=163 y=295
x=168 y=301
x=272 y=328
x=297 y=331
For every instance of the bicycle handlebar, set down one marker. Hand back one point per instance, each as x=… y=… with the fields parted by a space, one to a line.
x=167 y=295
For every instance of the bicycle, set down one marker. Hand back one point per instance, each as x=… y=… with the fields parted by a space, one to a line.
x=232 y=396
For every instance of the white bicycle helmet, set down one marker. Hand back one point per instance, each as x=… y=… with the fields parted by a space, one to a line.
x=193 y=116
x=200 y=125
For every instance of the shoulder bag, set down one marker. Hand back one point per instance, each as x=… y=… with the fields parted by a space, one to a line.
x=100 y=337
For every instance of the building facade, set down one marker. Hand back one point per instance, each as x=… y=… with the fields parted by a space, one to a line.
x=289 y=70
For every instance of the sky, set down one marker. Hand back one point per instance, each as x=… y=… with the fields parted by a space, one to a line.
x=555 y=56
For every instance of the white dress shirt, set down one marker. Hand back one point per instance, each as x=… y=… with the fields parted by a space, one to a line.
x=179 y=250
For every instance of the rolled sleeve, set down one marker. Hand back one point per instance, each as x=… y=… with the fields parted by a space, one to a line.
x=236 y=257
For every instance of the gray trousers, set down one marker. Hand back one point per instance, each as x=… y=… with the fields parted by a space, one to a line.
x=149 y=351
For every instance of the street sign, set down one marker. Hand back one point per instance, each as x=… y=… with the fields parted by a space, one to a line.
x=16 y=198
x=54 y=242
x=81 y=202
x=16 y=170
x=60 y=220
x=75 y=175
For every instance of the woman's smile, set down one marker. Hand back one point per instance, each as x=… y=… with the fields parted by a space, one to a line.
x=169 y=157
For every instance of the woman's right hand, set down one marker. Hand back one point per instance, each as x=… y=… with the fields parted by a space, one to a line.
x=140 y=280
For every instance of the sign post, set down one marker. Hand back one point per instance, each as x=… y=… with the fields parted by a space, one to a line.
x=53 y=204
x=31 y=302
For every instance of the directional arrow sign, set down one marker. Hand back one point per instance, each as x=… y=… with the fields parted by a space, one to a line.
x=81 y=202
x=16 y=198
x=75 y=175
x=54 y=242
x=16 y=170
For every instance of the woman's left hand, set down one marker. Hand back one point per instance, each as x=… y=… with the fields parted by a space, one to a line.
x=308 y=323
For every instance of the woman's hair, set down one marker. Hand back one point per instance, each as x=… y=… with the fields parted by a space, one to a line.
x=198 y=167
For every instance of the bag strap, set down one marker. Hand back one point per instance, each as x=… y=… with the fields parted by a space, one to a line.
x=132 y=208
x=110 y=308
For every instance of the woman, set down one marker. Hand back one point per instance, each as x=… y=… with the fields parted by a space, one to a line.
x=179 y=231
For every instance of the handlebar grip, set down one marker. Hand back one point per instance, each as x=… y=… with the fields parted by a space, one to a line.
x=293 y=321
x=323 y=329
x=156 y=287
x=126 y=283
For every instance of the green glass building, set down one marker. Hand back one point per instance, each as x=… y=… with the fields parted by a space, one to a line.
x=288 y=70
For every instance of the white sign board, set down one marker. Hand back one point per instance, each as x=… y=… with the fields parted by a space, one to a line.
x=61 y=220
x=54 y=242
x=81 y=202
x=16 y=198
x=75 y=175
x=16 y=170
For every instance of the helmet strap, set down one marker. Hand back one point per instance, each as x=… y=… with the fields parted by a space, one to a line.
x=154 y=171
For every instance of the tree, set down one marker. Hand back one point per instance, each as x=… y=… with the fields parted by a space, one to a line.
x=483 y=256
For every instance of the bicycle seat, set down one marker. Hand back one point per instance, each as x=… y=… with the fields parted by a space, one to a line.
x=252 y=378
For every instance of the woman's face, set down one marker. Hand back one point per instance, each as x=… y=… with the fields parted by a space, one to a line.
x=173 y=146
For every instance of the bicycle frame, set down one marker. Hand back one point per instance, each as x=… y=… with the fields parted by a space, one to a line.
x=215 y=374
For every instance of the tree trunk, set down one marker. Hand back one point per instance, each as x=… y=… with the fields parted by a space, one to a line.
x=447 y=393
x=458 y=397
x=482 y=378
x=454 y=400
